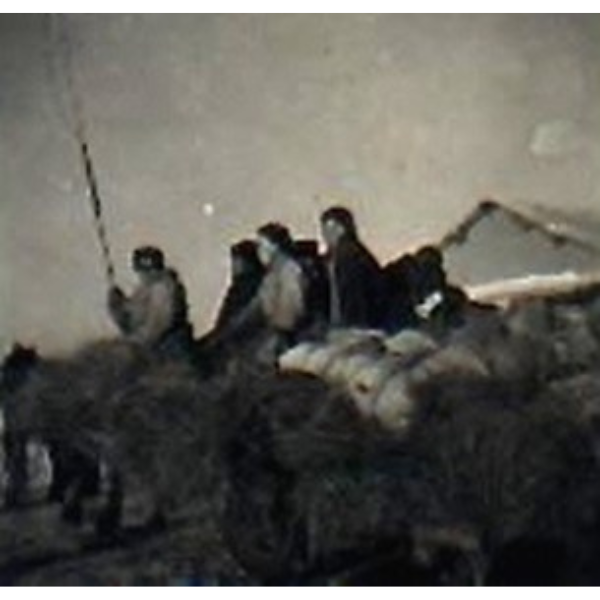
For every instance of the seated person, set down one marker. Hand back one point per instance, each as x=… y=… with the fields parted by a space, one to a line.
x=355 y=280
x=279 y=308
x=246 y=276
x=439 y=306
x=399 y=302
x=155 y=316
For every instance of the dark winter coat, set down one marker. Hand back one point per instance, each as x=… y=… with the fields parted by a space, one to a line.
x=356 y=286
x=240 y=293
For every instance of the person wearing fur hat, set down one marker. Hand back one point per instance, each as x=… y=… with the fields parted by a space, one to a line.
x=155 y=316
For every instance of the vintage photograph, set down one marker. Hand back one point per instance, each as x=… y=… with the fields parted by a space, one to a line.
x=300 y=300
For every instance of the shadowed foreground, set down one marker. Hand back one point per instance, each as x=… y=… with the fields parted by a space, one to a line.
x=263 y=477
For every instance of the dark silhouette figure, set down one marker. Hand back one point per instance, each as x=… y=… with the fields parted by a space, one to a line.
x=439 y=306
x=398 y=277
x=75 y=476
x=16 y=370
x=247 y=273
x=317 y=292
x=355 y=278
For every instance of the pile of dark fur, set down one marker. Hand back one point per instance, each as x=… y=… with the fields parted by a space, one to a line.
x=282 y=481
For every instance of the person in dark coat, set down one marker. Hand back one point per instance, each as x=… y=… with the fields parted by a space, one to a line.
x=355 y=277
x=313 y=265
x=16 y=371
x=72 y=471
x=439 y=306
x=247 y=273
x=398 y=277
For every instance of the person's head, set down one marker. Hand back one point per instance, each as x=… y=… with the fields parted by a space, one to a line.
x=306 y=250
x=431 y=276
x=337 y=223
x=21 y=355
x=430 y=256
x=244 y=259
x=274 y=240
x=147 y=261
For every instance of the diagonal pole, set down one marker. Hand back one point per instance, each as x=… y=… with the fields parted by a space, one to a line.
x=77 y=119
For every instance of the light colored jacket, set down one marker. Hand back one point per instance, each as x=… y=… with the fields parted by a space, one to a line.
x=154 y=311
x=282 y=294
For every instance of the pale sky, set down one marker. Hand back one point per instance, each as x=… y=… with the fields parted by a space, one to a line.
x=204 y=127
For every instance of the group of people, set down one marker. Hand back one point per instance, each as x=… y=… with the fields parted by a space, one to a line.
x=285 y=291
x=282 y=291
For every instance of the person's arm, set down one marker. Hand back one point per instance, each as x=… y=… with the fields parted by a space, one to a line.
x=295 y=285
x=242 y=324
x=118 y=309
x=227 y=310
x=239 y=294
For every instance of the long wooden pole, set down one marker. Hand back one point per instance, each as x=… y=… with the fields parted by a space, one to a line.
x=77 y=121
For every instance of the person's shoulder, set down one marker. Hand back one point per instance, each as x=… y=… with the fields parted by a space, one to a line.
x=363 y=255
x=289 y=272
x=172 y=276
x=292 y=267
x=167 y=281
x=349 y=248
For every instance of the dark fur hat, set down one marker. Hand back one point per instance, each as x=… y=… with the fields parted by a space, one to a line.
x=148 y=257
x=246 y=249
x=277 y=234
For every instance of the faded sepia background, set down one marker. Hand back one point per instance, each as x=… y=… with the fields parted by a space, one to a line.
x=203 y=127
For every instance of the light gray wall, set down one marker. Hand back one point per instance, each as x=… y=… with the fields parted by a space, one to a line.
x=409 y=119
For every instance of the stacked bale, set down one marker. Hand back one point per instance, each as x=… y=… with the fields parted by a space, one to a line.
x=381 y=375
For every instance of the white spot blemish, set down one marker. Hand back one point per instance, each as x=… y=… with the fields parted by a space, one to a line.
x=556 y=138
x=208 y=209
